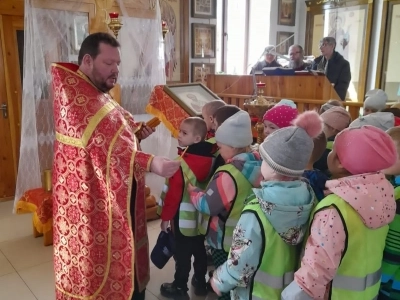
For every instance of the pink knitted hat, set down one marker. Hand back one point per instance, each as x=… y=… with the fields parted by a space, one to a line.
x=364 y=150
x=281 y=115
x=336 y=117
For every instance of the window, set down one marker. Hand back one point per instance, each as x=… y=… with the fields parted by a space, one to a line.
x=242 y=34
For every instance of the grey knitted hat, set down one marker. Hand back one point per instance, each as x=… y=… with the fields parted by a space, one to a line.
x=288 y=150
x=375 y=99
x=381 y=120
x=235 y=131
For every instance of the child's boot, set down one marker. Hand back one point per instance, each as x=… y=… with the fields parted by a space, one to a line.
x=200 y=286
x=171 y=291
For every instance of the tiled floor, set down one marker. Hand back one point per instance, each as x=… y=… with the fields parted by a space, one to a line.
x=26 y=266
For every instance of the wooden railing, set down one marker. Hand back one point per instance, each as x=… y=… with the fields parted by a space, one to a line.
x=302 y=104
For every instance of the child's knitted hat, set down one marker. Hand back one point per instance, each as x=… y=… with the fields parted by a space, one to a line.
x=365 y=149
x=288 y=150
x=281 y=115
x=336 y=117
x=235 y=131
x=382 y=120
x=287 y=102
x=375 y=99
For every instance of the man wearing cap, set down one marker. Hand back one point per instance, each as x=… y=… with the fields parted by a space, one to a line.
x=269 y=62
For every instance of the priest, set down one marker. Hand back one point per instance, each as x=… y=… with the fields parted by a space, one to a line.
x=100 y=233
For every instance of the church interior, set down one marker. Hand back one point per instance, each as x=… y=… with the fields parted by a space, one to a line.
x=169 y=50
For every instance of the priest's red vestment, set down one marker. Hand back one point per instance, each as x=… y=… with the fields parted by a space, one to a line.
x=97 y=166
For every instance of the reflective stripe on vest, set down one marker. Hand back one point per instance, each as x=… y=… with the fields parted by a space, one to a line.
x=188 y=214
x=278 y=260
x=355 y=283
x=358 y=275
x=243 y=190
x=275 y=282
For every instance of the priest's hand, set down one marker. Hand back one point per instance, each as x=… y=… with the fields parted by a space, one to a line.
x=164 y=167
x=144 y=132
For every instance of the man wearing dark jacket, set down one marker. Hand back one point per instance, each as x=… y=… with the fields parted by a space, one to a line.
x=335 y=67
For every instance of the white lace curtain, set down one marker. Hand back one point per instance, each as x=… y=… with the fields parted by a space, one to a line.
x=49 y=37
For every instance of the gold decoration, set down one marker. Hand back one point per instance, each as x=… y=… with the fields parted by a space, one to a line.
x=165 y=28
x=257 y=107
x=113 y=22
x=46 y=180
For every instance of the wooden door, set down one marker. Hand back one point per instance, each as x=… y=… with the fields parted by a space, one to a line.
x=11 y=62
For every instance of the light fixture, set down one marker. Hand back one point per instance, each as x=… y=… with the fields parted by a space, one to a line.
x=114 y=23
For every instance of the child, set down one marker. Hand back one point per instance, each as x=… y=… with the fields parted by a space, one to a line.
x=316 y=178
x=219 y=116
x=331 y=103
x=343 y=252
x=263 y=254
x=280 y=116
x=390 y=285
x=375 y=100
x=223 y=200
x=335 y=120
x=196 y=165
x=224 y=113
x=208 y=112
x=381 y=120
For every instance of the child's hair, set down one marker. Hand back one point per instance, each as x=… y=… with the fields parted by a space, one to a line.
x=198 y=125
x=225 y=112
x=331 y=103
x=394 y=110
x=212 y=106
x=319 y=147
x=394 y=133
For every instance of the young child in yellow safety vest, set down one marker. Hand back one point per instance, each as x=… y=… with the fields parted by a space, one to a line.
x=344 y=247
x=197 y=159
x=263 y=253
x=222 y=201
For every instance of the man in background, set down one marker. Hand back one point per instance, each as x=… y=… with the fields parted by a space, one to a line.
x=268 y=62
x=296 y=56
x=335 y=67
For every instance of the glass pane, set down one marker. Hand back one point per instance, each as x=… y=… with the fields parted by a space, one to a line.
x=79 y=30
x=20 y=45
x=392 y=78
x=236 y=28
x=259 y=26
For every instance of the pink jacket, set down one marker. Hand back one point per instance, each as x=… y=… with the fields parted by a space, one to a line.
x=326 y=242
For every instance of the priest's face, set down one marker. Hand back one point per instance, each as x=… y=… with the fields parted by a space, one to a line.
x=105 y=67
